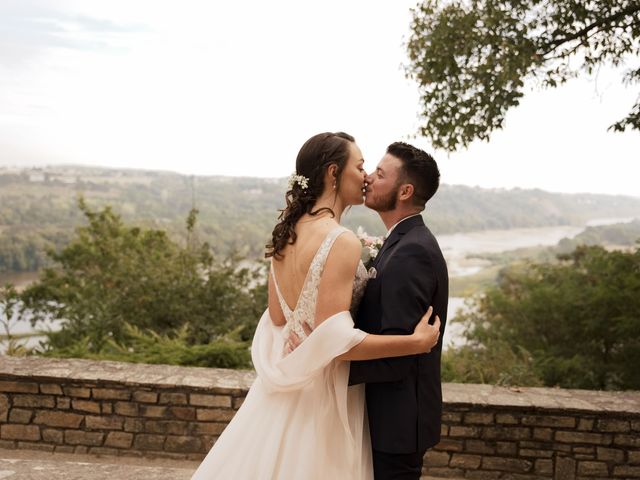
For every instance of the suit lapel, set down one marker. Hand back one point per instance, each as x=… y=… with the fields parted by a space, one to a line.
x=400 y=229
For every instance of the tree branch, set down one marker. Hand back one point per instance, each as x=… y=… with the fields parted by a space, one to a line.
x=603 y=21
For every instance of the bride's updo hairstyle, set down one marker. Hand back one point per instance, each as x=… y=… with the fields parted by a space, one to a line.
x=315 y=156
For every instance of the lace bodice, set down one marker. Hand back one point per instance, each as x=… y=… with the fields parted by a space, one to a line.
x=304 y=310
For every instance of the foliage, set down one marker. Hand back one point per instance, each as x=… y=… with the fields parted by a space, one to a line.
x=139 y=346
x=471 y=58
x=578 y=319
x=113 y=275
x=10 y=309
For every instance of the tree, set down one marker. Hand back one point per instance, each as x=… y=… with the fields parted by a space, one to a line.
x=471 y=58
x=573 y=324
x=115 y=283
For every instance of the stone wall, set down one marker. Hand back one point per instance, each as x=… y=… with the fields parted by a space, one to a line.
x=489 y=432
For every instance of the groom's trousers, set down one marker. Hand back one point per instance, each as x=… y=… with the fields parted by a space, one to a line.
x=397 y=466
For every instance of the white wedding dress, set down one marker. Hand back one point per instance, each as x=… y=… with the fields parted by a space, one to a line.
x=300 y=419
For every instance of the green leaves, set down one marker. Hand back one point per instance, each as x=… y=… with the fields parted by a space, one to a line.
x=471 y=59
x=578 y=320
x=116 y=283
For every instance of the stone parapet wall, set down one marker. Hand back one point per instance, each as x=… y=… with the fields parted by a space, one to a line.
x=488 y=432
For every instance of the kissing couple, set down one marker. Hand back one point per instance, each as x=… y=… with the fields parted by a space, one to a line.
x=347 y=361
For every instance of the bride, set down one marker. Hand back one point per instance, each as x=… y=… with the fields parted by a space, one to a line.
x=300 y=419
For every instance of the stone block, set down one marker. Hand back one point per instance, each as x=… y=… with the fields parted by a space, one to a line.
x=184 y=444
x=107 y=408
x=34 y=401
x=51 y=389
x=583 y=437
x=506 y=448
x=543 y=467
x=506 y=433
x=18 y=387
x=584 y=450
x=613 y=425
x=467 y=462
x=201 y=400
x=565 y=468
x=144 y=396
x=79 y=437
x=63 y=449
x=516 y=465
x=473 y=418
x=63 y=403
x=507 y=419
x=133 y=425
x=585 y=424
x=635 y=425
x=53 y=436
x=18 y=415
x=634 y=457
x=450 y=445
x=446 y=472
x=207 y=428
x=82 y=449
x=436 y=459
x=148 y=442
x=169 y=398
x=527 y=452
x=627 y=440
x=119 y=440
x=626 y=471
x=110 y=394
x=592 y=469
x=19 y=432
x=214 y=414
x=167 y=427
x=85 y=406
x=183 y=413
x=238 y=401
x=153 y=411
x=480 y=446
x=8 y=444
x=77 y=392
x=127 y=409
x=104 y=423
x=58 y=419
x=4 y=408
x=466 y=432
x=102 y=451
x=42 y=447
x=543 y=434
x=549 y=421
x=451 y=417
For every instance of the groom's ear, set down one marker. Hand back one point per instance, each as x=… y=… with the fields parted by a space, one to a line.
x=405 y=191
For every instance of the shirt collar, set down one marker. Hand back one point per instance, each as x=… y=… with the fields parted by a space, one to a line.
x=396 y=224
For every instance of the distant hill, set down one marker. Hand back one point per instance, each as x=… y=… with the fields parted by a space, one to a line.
x=38 y=208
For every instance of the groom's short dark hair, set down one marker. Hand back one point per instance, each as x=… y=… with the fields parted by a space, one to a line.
x=419 y=169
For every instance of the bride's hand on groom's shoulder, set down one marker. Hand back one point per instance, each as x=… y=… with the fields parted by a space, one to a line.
x=426 y=334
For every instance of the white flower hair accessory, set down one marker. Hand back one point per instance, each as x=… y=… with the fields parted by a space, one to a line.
x=300 y=180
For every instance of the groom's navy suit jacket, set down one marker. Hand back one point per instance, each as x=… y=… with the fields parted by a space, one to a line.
x=404 y=394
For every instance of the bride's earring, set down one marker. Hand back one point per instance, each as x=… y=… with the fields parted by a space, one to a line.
x=334 y=184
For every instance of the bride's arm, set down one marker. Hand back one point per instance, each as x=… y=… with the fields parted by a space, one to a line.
x=334 y=296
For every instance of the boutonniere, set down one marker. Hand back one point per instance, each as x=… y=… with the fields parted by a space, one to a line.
x=370 y=246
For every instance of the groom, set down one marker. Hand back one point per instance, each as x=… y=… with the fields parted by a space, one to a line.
x=403 y=394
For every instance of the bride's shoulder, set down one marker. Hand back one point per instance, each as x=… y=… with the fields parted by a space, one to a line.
x=347 y=245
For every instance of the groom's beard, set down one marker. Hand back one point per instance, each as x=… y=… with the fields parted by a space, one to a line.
x=387 y=202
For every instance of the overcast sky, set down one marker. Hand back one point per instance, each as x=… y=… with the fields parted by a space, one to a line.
x=235 y=88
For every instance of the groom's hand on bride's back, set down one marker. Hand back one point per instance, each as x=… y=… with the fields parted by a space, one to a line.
x=294 y=341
